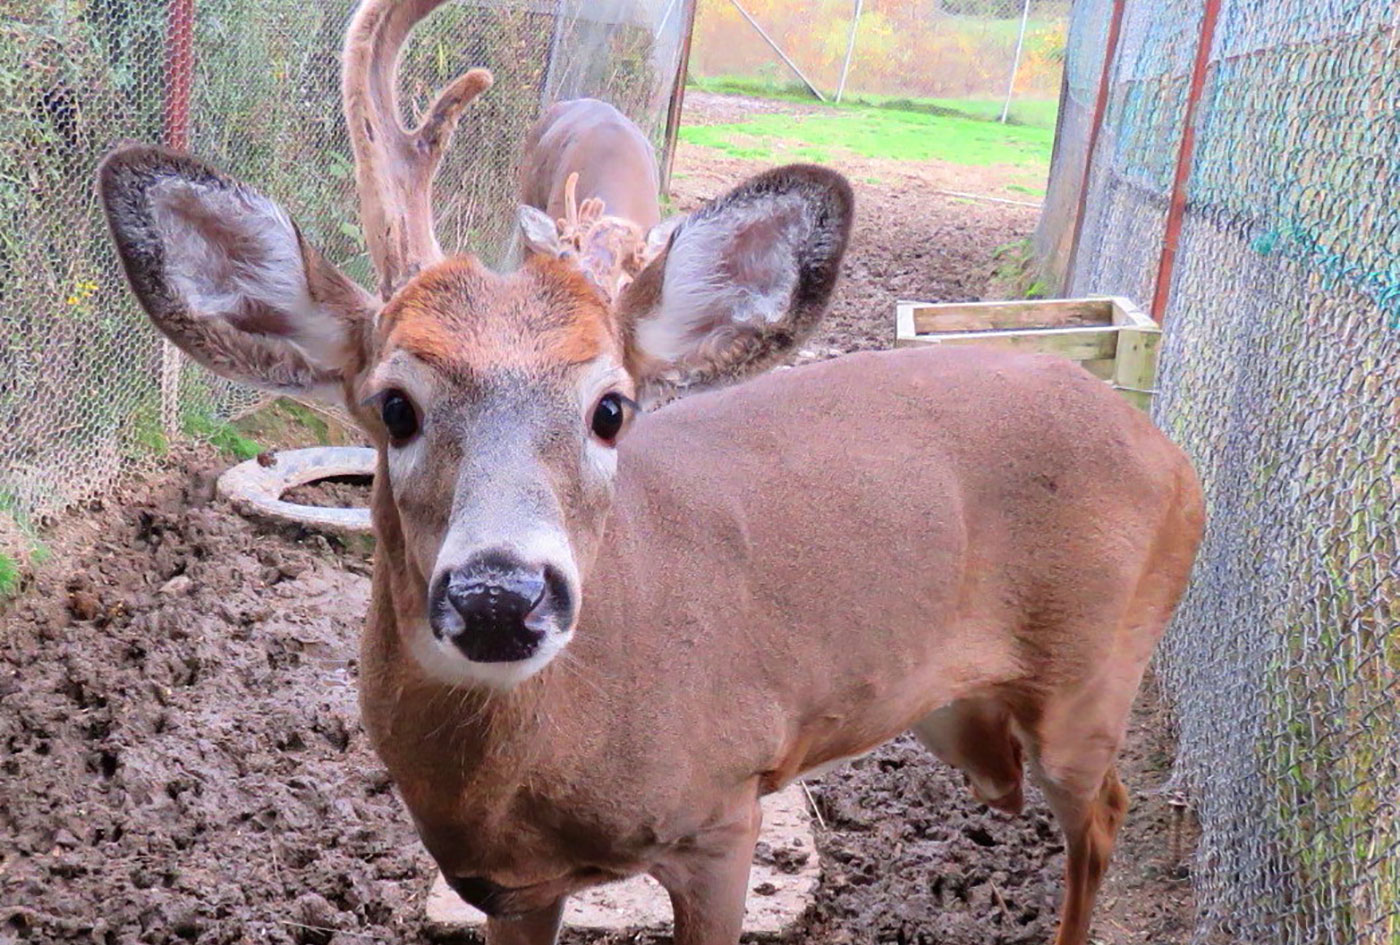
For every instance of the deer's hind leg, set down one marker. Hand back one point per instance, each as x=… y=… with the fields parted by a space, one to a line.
x=1072 y=733
x=975 y=736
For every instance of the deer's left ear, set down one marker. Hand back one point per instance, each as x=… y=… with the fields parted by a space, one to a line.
x=742 y=282
x=539 y=231
x=226 y=275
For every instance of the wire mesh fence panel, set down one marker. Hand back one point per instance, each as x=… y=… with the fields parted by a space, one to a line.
x=1280 y=375
x=1135 y=159
x=1083 y=66
x=87 y=389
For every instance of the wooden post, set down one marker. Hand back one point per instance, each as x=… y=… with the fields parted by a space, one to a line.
x=1016 y=61
x=851 y=48
x=673 y=112
x=1176 y=210
x=777 y=49
x=175 y=132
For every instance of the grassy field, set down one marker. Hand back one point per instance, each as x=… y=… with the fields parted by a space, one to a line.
x=1033 y=113
x=920 y=131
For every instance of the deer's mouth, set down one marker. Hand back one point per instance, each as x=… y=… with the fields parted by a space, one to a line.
x=499 y=665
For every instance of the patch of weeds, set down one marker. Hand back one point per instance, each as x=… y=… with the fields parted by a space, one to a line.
x=9 y=575
x=144 y=431
x=1030 y=113
x=1015 y=273
x=221 y=434
x=307 y=419
x=1023 y=189
x=287 y=423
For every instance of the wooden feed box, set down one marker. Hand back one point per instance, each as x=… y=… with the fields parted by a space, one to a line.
x=1108 y=336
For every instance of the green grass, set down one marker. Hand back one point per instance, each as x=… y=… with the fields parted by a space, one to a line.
x=284 y=423
x=1034 y=113
x=223 y=435
x=9 y=576
x=874 y=132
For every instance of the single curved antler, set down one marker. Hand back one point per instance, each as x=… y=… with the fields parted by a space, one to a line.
x=394 y=166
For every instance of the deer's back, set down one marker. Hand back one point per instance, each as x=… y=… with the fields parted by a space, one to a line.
x=614 y=160
x=869 y=538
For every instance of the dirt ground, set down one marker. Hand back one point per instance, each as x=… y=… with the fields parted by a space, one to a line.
x=181 y=760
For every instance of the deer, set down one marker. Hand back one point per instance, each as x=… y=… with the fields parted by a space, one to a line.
x=589 y=187
x=598 y=636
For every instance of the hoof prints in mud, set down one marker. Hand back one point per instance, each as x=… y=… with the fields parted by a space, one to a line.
x=942 y=870
x=180 y=753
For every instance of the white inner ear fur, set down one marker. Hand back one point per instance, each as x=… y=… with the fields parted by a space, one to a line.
x=736 y=268
x=229 y=251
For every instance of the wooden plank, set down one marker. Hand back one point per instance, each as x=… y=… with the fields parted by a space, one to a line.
x=1101 y=368
x=1127 y=314
x=1135 y=364
x=904 y=323
x=1092 y=343
x=998 y=316
x=1139 y=400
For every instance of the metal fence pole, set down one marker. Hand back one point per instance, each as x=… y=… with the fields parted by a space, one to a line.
x=850 y=48
x=1016 y=61
x=179 y=80
x=552 y=57
x=673 y=112
x=1177 y=207
x=777 y=49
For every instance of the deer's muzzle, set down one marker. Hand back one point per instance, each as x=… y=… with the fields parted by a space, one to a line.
x=496 y=609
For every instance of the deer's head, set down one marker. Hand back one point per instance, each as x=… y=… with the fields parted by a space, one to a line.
x=496 y=401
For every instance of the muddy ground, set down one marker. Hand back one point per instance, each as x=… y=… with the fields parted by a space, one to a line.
x=181 y=761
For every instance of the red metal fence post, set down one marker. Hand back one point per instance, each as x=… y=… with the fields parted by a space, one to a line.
x=175 y=133
x=179 y=74
x=1177 y=208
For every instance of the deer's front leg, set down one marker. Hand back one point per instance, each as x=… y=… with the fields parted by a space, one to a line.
x=533 y=928
x=709 y=882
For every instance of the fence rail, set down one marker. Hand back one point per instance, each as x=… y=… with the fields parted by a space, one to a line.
x=1280 y=374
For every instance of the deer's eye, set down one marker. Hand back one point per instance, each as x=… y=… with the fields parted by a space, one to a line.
x=609 y=417
x=400 y=419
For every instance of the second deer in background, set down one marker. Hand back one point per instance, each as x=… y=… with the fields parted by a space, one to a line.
x=589 y=188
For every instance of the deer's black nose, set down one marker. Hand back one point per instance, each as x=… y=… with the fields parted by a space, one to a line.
x=493 y=609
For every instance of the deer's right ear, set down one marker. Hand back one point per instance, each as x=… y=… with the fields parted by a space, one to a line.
x=225 y=274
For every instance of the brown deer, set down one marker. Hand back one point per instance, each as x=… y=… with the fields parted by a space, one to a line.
x=597 y=638
x=589 y=188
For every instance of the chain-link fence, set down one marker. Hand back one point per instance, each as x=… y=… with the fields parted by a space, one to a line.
x=1280 y=375
x=961 y=55
x=86 y=388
